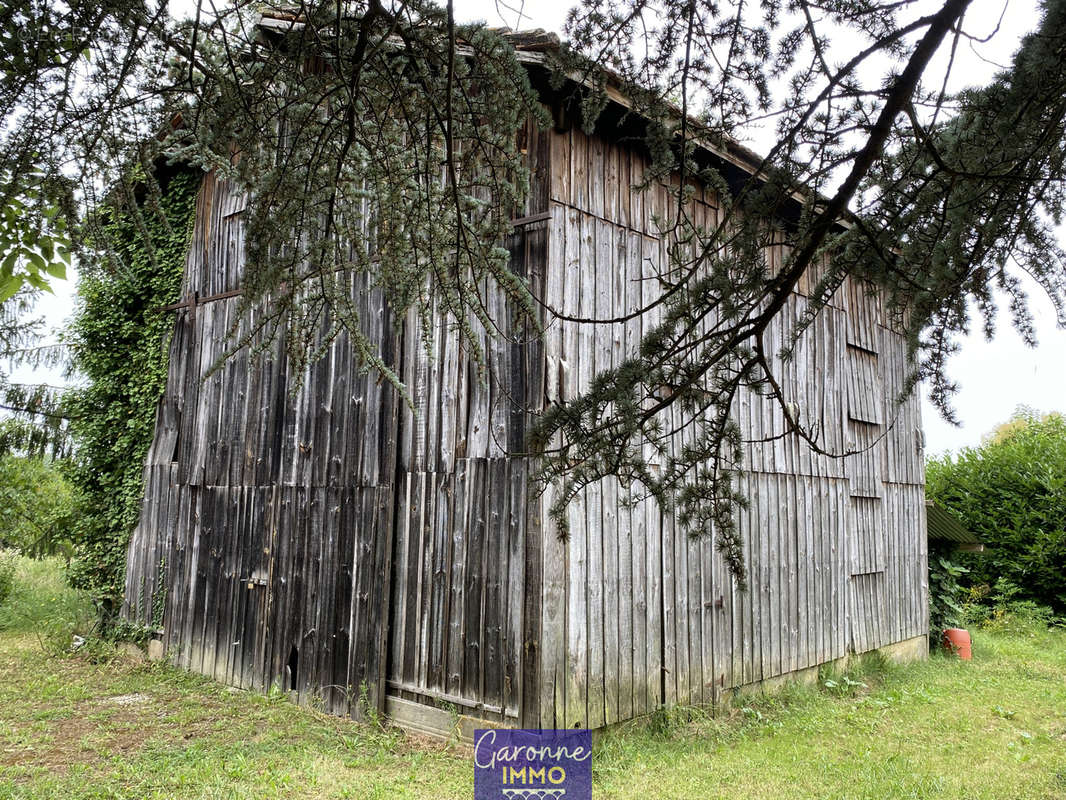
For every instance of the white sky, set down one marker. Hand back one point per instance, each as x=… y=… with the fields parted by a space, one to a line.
x=995 y=377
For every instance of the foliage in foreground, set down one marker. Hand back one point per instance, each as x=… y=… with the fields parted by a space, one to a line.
x=398 y=155
x=118 y=339
x=42 y=602
x=1011 y=491
x=33 y=242
x=7 y=576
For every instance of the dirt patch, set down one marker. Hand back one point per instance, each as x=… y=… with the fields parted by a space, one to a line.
x=98 y=728
x=128 y=699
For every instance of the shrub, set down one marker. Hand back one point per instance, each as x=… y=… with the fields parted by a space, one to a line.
x=1005 y=613
x=1011 y=491
x=947 y=597
x=43 y=603
x=36 y=503
x=7 y=576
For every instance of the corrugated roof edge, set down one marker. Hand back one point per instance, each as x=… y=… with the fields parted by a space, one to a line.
x=944 y=526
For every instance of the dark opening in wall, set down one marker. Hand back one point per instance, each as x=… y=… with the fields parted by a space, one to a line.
x=292 y=667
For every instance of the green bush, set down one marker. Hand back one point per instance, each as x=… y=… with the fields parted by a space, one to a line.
x=43 y=603
x=119 y=341
x=1004 y=612
x=36 y=504
x=7 y=576
x=1011 y=491
x=947 y=597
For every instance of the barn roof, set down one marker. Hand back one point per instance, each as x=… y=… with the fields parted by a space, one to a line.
x=534 y=47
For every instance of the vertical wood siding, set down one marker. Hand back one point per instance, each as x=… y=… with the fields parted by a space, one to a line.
x=334 y=540
x=639 y=615
x=265 y=535
x=407 y=551
x=461 y=572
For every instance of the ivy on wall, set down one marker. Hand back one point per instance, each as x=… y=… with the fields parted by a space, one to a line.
x=119 y=341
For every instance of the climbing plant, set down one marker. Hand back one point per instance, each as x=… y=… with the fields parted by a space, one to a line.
x=118 y=340
x=946 y=594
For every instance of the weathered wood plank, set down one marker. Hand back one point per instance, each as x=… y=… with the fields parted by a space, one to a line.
x=577 y=628
x=461 y=519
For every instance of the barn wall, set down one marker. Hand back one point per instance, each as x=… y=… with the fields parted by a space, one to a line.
x=467 y=553
x=602 y=649
x=265 y=534
x=638 y=614
x=387 y=545
x=405 y=550
x=886 y=567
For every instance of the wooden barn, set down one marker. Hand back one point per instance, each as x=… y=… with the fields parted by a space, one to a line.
x=367 y=557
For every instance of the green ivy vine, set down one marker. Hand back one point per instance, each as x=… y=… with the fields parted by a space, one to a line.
x=119 y=342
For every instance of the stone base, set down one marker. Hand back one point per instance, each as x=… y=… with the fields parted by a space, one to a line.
x=908 y=650
x=131 y=650
x=435 y=722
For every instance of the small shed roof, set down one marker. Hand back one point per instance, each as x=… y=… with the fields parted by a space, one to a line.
x=944 y=526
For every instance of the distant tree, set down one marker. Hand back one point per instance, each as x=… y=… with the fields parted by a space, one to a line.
x=382 y=136
x=32 y=421
x=1011 y=491
x=36 y=505
x=1022 y=418
x=35 y=498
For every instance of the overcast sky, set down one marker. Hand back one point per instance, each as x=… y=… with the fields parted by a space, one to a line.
x=995 y=377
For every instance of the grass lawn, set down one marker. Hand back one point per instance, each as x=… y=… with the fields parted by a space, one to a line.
x=98 y=725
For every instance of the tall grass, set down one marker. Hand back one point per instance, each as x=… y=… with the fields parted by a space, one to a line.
x=42 y=602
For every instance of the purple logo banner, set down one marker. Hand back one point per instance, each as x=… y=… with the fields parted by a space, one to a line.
x=518 y=764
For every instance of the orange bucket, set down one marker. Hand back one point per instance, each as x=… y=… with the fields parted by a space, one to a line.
x=957 y=640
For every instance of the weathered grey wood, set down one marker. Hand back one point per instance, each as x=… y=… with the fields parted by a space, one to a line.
x=595 y=599
x=864 y=315
x=404 y=550
x=553 y=663
x=452 y=655
x=654 y=650
x=416 y=584
x=865 y=390
x=669 y=612
x=522 y=599
x=577 y=629
x=399 y=631
x=579 y=172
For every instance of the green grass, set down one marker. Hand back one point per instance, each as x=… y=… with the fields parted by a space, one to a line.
x=993 y=728
x=43 y=603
